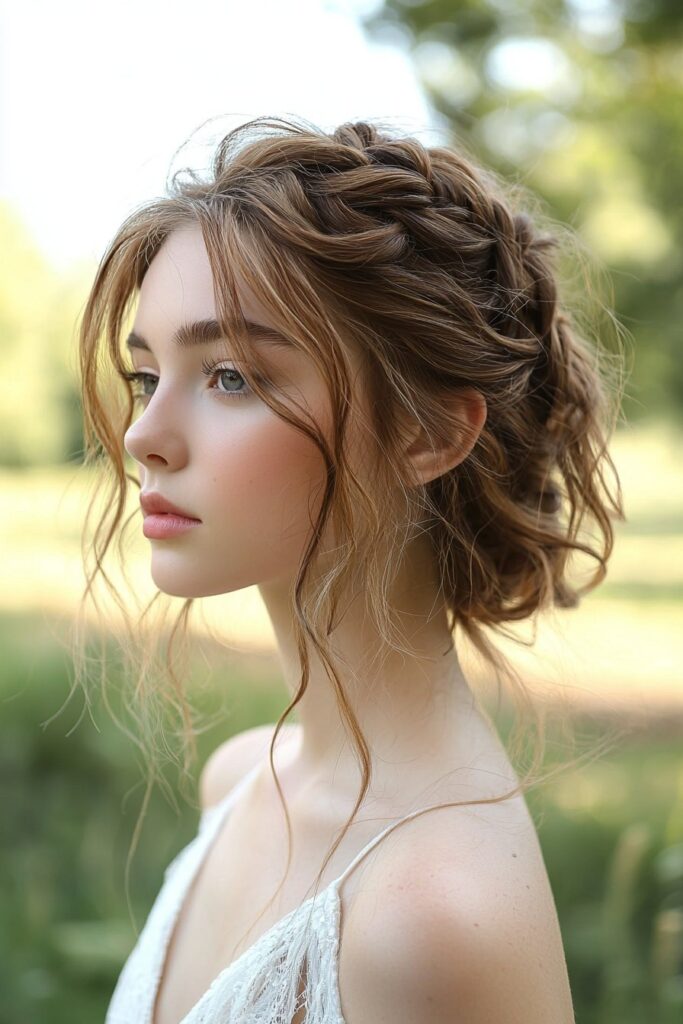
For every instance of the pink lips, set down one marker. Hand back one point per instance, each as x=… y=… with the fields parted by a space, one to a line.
x=163 y=519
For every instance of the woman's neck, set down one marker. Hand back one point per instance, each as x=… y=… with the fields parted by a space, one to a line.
x=410 y=709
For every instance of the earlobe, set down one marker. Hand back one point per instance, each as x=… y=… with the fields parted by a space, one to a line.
x=462 y=424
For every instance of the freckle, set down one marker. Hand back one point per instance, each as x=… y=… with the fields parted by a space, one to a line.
x=514 y=854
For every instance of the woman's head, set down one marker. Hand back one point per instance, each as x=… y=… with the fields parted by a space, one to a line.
x=207 y=443
x=431 y=384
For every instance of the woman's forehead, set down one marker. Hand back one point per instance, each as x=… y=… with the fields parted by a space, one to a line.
x=179 y=282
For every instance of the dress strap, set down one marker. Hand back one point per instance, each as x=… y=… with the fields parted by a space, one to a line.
x=373 y=842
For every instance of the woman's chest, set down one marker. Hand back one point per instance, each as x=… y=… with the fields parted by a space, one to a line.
x=229 y=907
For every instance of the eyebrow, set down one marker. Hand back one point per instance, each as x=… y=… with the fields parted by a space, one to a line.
x=203 y=332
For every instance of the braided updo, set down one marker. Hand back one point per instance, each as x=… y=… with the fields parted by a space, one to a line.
x=444 y=285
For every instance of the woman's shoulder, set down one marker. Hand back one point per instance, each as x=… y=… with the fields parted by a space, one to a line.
x=456 y=841
x=236 y=756
x=457 y=911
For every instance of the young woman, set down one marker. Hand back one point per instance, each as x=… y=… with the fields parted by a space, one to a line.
x=356 y=390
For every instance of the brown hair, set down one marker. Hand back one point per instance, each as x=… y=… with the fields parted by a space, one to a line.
x=437 y=274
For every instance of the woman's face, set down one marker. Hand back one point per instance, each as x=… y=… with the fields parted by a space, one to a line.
x=213 y=448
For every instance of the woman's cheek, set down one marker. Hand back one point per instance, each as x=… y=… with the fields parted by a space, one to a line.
x=266 y=489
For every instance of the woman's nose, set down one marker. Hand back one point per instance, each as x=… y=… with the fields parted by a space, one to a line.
x=155 y=438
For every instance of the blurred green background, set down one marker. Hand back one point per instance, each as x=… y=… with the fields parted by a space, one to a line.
x=601 y=142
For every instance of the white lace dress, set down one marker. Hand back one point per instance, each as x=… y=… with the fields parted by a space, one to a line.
x=260 y=986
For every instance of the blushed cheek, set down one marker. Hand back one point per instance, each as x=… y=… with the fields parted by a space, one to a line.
x=265 y=490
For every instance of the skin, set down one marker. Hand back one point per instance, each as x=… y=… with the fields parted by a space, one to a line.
x=251 y=478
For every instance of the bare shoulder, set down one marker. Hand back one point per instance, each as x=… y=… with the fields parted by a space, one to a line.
x=231 y=760
x=455 y=923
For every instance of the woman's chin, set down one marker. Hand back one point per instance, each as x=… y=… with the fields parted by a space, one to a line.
x=174 y=585
x=177 y=577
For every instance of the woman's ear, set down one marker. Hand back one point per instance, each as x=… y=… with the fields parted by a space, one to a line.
x=464 y=417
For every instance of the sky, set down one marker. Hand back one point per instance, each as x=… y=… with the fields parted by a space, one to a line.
x=96 y=99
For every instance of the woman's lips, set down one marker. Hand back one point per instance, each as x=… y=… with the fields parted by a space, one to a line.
x=160 y=526
x=153 y=503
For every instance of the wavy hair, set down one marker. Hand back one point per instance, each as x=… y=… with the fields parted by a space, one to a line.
x=438 y=275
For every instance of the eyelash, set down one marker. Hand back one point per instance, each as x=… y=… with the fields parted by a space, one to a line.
x=209 y=369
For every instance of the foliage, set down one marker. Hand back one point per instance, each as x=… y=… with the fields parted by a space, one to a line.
x=40 y=414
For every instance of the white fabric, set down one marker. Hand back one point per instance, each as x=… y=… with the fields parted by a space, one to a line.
x=260 y=986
